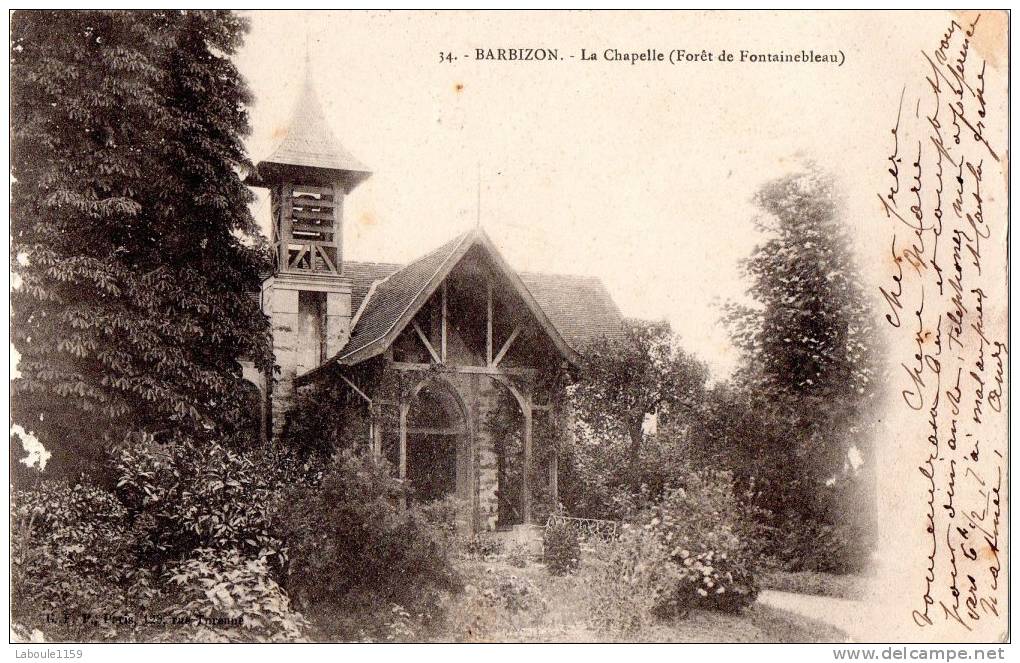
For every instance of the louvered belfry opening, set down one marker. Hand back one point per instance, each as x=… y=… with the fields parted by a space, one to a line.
x=309 y=228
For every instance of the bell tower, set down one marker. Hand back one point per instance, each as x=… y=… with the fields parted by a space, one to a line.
x=308 y=298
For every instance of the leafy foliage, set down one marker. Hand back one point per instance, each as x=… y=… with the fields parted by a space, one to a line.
x=505 y=426
x=356 y=549
x=187 y=496
x=836 y=536
x=445 y=519
x=803 y=418
x=326 y=418
x=809 y=345
x=713 y=545
x=484 y=546
x=561 y=549
x=73 y=572
x=517 y=554
x=596 y=477
x=511 y=593
x=149 y=562
x=697 y=548
x=131 y=236
x=227 y=597
x=624 y=589
x=623 y=380
x=496 y=605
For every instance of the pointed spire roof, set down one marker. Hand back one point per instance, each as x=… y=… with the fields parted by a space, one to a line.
x=311 y=143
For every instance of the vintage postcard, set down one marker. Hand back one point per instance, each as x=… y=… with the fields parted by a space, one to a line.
x=530 y=327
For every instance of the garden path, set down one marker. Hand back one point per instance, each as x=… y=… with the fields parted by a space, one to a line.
x=839 y=613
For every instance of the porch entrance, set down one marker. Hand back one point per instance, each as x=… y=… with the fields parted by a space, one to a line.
x=436 y=429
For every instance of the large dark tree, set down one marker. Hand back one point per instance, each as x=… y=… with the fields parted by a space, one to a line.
x=808 y=341
x=131 y=235
x=798 y=420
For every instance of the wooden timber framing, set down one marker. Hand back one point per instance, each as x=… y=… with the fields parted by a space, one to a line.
x=488 y=323
x=286 y=219
x=526 y=487
x=425 y=340
x=313 y=226
x=519 y=392
x=442 y=333
x=338 y=193
x=375 y=344
x=484 y=370
x=506 y=346
x=404 y=408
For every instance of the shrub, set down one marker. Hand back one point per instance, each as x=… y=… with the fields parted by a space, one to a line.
x=712 y=541
x=590 y=473
x=73 y=575
x=561 y=549
x=517 y=554
x=807 y=544
x=356 y=549
x=495 y=606
x=444 y=518
x=484 y=547
x=597 y=479
x=629 y=576
x=697 y=548
x=511 y=593
x=188 y=496
x=220 y=596
x=87 y=566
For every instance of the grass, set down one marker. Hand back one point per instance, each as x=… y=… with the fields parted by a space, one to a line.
x=850 y=587
x=554 y=609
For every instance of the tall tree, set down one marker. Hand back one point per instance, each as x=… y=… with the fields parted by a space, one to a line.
x=131 y=234
x=624 y=379
x=808 y=340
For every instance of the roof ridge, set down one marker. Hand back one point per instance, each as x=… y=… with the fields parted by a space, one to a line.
x=590 y=277
x=380 y=263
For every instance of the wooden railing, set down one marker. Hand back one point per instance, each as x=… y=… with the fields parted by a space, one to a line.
x=587 y=528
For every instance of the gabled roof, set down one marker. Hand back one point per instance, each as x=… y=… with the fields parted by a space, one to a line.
x=573 y=310
x=579 y=306
x=394 y=301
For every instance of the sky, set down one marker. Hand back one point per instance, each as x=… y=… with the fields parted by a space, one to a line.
x=641 y=175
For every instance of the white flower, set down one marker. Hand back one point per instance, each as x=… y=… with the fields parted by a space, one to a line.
x=702 y=592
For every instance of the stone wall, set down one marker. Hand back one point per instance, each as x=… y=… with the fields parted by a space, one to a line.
x=310 y=317
x=489 y=396
x=282 y=308
x=477 y=478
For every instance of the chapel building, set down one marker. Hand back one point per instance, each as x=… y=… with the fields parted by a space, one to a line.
x=457 y=363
